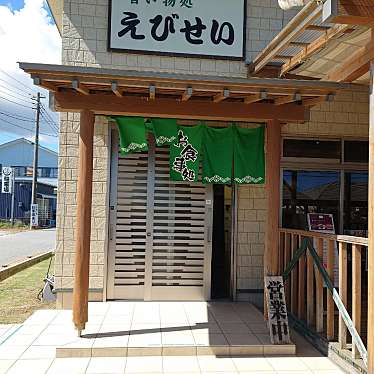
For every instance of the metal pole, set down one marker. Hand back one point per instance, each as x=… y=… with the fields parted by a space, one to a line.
x=36 y=149
x=13 y=196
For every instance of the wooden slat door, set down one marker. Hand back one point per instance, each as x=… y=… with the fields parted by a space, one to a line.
x=160 y=231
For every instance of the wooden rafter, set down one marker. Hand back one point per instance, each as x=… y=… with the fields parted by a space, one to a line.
x=221 y=96
x=79 y=87
x=288 y=99
x=355 y=67
x=256 y=97
x=152 y=92
x=187 y=94
x=317 y=100
x=49 y=86
x=116 y=90
x=318 y=28
x=310 y=13
x=313 y=47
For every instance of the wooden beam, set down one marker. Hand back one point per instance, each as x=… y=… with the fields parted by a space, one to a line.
x=310 y=13
x=221 y=96
x=317 y=28
x=187 y=94
x=299 y=44
x=355 y=67
x=172 y=108
x=79 y=87
x=287 y=99
x=152 y=92
x=370 y=249
x=313 y=47
x=83 y=228
x=273 y=156
x=256 y=97
x=115 y=89
x=49 y=86
x=317 y=100
x=352 y=20
x=353 y=12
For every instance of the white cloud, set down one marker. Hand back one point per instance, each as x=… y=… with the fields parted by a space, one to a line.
x=27 y=35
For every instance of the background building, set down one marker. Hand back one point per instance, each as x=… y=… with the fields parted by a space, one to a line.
x=19 y=155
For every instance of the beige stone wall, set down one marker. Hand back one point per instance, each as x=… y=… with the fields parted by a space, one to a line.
x=85 y=40
x=66 y=207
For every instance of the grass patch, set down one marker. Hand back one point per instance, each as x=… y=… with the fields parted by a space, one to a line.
x=18 y=293
x=18 y=226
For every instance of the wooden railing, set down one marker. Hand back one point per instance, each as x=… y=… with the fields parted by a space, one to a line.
x=314 y=266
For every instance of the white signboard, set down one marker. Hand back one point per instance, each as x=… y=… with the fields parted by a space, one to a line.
x=7 y=180
x=34 y=215
x=186 y=27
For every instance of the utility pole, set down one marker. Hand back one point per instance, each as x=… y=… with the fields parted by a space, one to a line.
x=36 y=154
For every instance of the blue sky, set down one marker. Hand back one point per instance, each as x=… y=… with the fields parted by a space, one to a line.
x=41 y=43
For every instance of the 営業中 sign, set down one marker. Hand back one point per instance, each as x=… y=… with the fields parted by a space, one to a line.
x=7 y=180
x=277 y=310
x=34 y=215
x=187 y=27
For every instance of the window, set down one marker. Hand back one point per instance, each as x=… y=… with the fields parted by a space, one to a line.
x=356 y=151
x=47 y=172
x=306 y=148
x=356 y=203
x=309 y=192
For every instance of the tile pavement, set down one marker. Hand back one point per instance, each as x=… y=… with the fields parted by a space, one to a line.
x=31 y=347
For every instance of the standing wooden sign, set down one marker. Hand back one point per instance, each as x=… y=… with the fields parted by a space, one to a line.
x=277 y=310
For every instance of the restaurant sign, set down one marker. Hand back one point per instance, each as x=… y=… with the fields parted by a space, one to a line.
x=186 y=27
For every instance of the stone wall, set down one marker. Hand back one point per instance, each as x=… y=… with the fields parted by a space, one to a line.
x=66 y=207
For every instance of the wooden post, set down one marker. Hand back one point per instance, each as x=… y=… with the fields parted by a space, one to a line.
x=370 y=336
x=343 y=292
x=83 y=230
x=273 y=153
x=319 y=290
x=330 y=301
x=356 y=294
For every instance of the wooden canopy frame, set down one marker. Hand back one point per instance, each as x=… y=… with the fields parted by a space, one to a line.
x=123 y=92
x=93 y=91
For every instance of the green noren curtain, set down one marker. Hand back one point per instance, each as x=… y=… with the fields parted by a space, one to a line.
x=132 y=134
x=165 y=130
x=218 y=150
x=249 y=157
x=185 y=153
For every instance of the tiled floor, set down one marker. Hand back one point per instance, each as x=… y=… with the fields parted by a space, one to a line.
x=118 y=327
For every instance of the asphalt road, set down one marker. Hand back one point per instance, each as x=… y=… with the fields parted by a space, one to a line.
x=14 y=247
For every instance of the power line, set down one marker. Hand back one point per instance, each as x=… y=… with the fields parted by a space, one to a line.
x=19 y=116
x=16 y=93
x=25 y=128
x=11 y=101
x=14 y=87
x=19 y=82
x=15 y=97
x=18 y=119
x=49 y=120
x=51 y=127
x=48 y=115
